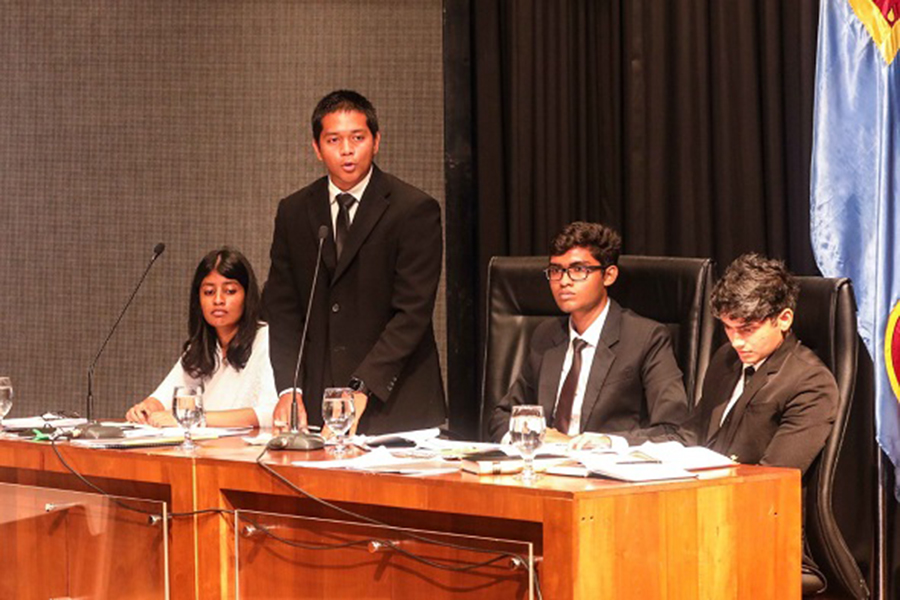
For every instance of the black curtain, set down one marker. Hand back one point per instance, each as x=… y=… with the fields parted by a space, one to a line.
x=684 y=124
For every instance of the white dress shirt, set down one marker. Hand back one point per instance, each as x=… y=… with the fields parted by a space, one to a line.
x=356 y=191
x=592 y=337
x=739 y=388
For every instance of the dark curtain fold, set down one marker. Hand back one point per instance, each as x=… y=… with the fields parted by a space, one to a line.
x=684 y=124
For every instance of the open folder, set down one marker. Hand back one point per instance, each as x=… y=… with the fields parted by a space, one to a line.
x=631 y=471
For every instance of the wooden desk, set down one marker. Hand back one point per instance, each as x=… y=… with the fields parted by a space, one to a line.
x=734 y=533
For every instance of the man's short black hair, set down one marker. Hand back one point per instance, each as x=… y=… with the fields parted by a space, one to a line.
x=754 y=288
x=339 y=101
x=603 y=242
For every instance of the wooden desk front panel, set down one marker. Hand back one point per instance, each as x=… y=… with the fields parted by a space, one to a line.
x=164 y=476
x=734 y=534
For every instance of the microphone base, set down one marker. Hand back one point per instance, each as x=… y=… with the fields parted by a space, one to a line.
x=296 y=441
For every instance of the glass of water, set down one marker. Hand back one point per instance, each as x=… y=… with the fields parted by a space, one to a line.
x=338 y=412
x=6 y=397
x=187 y=406
x=526 y=431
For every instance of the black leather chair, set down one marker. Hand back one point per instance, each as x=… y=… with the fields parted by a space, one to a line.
x=825 y=321
x=673 y=291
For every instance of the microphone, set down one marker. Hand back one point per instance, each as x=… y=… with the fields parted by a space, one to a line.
x=89 y=409
x=296 y=439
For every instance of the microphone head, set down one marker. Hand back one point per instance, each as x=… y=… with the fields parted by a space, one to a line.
x=158 y=249
x=323 y=232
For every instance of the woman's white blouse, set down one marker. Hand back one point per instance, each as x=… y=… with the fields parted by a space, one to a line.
x=227 y=388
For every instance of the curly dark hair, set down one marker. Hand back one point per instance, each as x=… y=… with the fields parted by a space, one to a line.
x=201 y=349
x=603 y=242
x=754 y=288
x=343 y=100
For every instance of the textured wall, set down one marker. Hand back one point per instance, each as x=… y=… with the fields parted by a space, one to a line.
x=123 y=124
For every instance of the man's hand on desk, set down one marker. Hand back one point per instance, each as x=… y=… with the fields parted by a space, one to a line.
x=590 y=441
x=143 y=410
x=554 y=436
x=360 y=401
x=281 y=417
x=551 y=436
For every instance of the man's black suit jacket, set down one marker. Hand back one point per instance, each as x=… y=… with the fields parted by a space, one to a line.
x=635 y=388
x=372 y=313
x=782 y=418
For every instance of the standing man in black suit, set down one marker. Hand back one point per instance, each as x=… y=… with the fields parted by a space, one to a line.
x=767 y=399
x=371 y=323
x=603 y=368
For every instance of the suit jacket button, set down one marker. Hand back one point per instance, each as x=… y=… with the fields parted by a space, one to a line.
x=335 y=307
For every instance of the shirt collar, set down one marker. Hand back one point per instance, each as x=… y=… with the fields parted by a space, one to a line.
x=356 y=191
x=591 y=335
x=755 y=366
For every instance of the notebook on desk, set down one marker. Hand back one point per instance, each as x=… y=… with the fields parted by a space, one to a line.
x=497 y=462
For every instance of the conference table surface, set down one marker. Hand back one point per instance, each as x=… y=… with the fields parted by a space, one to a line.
x=730 y=533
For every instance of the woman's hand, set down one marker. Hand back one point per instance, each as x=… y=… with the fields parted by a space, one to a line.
x=140 y=412
x=162 y=418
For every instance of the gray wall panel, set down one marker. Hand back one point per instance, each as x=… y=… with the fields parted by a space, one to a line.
x=123 y=124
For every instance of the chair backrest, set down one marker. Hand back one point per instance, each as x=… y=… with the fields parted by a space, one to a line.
x=825 y=321
x=672 y=291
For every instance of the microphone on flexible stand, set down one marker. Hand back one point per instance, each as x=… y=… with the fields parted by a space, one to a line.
x=92 y=429
x=296 y=439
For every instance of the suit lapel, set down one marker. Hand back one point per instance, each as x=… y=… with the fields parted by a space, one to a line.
x=372 y=205
x=320 y=214
x=551 y=367
x=604 y=357
x=756 y=383
x=723 y=393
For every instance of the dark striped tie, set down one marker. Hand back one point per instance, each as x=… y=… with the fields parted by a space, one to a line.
x=342 y=226
x=566 y=400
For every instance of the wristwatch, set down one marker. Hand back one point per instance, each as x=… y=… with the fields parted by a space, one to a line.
x=358 y=385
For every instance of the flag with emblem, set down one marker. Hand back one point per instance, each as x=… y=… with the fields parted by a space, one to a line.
x=855 y=181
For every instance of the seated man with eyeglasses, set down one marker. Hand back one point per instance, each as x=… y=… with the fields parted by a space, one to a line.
x=603 y=369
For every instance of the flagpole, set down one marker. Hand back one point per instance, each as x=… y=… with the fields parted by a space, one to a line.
x=880 y=583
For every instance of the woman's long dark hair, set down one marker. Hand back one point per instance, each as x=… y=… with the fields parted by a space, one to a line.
x=200 y=350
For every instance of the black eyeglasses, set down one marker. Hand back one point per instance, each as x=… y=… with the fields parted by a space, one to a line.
x=575 y=272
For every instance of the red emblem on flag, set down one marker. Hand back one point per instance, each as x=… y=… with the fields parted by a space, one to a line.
x=880 y=18
x=892 y=349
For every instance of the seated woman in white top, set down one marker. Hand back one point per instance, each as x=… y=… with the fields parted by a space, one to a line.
x=227 y=351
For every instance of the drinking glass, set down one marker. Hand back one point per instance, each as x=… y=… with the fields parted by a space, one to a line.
x=187 y=406
x=526 y=431
x=338 y=412
x=6 y=397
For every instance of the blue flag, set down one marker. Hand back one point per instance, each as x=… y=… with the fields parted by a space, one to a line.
x=855 y=180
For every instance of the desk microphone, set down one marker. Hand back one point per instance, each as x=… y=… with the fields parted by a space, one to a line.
x=296 y=439
x=89 y=409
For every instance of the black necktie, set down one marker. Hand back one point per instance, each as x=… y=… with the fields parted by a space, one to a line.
x=748 y=373
x=567 y=394
x=342 y=226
